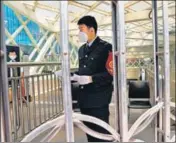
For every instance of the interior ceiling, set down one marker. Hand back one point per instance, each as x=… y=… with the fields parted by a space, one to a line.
x=138 y=23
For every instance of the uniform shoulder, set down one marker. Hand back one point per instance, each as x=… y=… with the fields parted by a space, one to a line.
x=106 y=44
x=81 y=47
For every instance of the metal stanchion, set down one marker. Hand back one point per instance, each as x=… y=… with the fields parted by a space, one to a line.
x=166 y=73
x=39 y=103
x=55 y=94
x=115 y=61
x=51 y=95
x=48 y=100
x=4 y=84
x=34 y=103
x=160 y=137
x=59 y=95
x=66 y=71
x=1 y=121
x=155 y=51
x=21 y=110
x=123 y=112
x=44 y=96
x=14 y=101
x=28 y=104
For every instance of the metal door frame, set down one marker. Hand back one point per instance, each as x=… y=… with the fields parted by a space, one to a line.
x=4 y=114
x=119 y=52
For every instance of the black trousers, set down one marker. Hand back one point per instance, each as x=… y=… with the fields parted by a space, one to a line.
x=100 y=113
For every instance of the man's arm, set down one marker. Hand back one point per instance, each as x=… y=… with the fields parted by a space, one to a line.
x=102 y=79
x=105 y=77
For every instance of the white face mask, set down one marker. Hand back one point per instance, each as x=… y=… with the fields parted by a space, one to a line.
x=82 y=37
x=12 y=57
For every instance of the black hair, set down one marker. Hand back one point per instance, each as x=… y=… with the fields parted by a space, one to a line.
x=89 y=21
x=12 y=50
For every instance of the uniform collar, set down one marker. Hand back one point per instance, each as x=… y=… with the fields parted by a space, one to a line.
x=93 y=46
x=91 y=42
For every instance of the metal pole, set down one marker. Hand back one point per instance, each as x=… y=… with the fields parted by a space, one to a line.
x=32 y=64
x=66 y=85
x=60 y=96
x=155 y=51
x=4 y=82
x=166 y=73
x=115 y=61
x=1 y=117
x=123 y=112
x=160 y=137
x=28 y=104
x=34 y=103
x=55 y=94
x=39 y=103
x=52 y=104
x=14 y=94
x=21 y=110
x=48 y=99
x=44 y=97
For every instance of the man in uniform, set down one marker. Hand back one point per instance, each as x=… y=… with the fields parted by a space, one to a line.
x=95 y=82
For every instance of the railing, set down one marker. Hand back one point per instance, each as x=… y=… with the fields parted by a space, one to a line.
x=33 y=99
x=150 y=78
x=57 y=124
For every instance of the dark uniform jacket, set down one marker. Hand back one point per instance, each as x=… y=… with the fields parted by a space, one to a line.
x=92 y=62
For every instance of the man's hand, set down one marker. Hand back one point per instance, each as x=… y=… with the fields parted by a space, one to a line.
x=82 y=80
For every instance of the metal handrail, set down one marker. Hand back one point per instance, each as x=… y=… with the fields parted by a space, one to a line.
x=39 y=91
x=28 y=64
